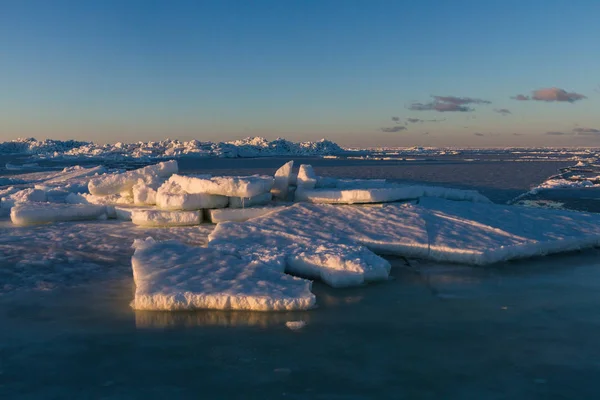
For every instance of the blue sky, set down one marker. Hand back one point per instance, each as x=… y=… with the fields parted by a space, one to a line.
x=217 y=70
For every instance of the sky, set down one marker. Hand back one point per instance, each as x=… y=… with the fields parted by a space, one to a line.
x=361 y=73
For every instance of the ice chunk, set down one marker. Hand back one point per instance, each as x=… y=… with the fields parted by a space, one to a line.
x=172 y=276
x=282 y=181
x=24 y=196
x=42 y=213
x=385 y=194
x=170 y=196
x=143 y=194
x=240 y=214
x=232 y=186
x=307 y=179
x=259 y=200
x=165 y=218
x=105 y=185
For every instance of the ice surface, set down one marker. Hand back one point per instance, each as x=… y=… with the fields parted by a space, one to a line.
x=165 y=218
x=242 y=202
x=234 y=186
x=240 y=214
x=436 y=229
x=170 y=196
x=307 y=179
x=488 y=233
x=172 y=276
x=41 y=213
x=324 y=255
x=110 y=184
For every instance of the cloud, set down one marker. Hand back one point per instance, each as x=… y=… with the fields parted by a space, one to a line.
x=586 y=131
x=396 y=119
x=393 y=129
x=415 y=120
x=478 y=134
x=502 y=111
x=448 y=104
x=557 y=133
x=518 y=134
x=551 y=94
x=460 y=100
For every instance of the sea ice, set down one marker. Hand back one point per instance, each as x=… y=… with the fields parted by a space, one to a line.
x=109 y=184
x=382 y=194
x=333 y=259
x=489 y=233
x=172 y=276
x=42 y=213
x=242 y=202
x=240 y=214
x=143 y=194
x=282 y=181
x=306 y=179
x=165 y=218
x=170 y=196
x=232 y=186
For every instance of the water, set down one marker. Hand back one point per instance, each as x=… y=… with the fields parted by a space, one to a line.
x=526 y=329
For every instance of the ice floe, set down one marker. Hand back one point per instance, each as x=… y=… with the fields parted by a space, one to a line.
x=232 y=186
x=42 y=213
x=110 y=184
x=172 y=276
x=165 y=218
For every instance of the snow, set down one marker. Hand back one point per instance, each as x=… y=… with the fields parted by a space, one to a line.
x=172 y=276
x=258 y=200
x=232 y=186
x=282 y=181
x=171 y=196
x=42 y=213
x=307 y=179
x=240 y=214
x=110 y=184
x=165 y=218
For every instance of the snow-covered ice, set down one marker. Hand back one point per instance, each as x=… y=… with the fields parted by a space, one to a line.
x=109 y=184
x=282 y=181
x=171 y=196
x=165 y=218
x=42 y=213
x=232 y=186
x=240 y=214
x=382 y=194
x=307 y=179
x=258 y=200
x=172 y=276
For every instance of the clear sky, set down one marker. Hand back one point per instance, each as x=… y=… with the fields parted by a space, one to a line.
x=361 y=73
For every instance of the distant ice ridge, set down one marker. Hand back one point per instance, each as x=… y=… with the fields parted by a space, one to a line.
x=249 y=147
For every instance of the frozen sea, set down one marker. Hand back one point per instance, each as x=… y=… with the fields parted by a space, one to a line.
x=526 y=329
